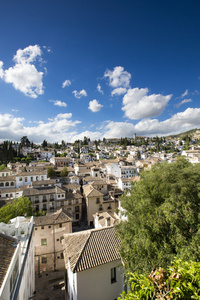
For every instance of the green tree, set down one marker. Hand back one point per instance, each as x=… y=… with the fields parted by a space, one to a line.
x=138 y=154
x=180 y=281
x=51 y=172
x=18 y=207
x=163 y=211
x=25 y=142
x=64 y=172
x=44 y=144
x=2 y=167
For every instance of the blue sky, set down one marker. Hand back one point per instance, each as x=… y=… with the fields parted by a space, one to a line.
x=70 y=69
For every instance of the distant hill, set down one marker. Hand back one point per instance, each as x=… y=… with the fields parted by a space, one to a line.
x=189 y=133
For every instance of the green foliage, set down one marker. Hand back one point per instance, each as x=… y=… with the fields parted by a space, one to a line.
x=7 y=152
x=64 y=172
x=18 y=207
x=2 y=167
x=180 y=281
x=163 y=213
x=51 y=172
x=44 y=144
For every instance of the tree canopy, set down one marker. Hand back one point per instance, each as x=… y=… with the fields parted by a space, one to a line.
x=18 y=207
x=179 y=281
x=51 y=172
x=163 y=211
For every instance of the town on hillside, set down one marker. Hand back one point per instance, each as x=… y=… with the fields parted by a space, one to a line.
x=59 y=204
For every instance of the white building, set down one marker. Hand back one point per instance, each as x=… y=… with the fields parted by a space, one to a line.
x=93 y=264
x=17 y=272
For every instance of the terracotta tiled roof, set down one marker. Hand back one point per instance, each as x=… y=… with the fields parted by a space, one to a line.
x=61 y=216
x=90 y=191
x=7 y=250
x=91 y=248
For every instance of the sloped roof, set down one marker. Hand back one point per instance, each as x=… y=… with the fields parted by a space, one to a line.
x=7 y=250
x=90 y=191
x=91 y=248
x=61 y=216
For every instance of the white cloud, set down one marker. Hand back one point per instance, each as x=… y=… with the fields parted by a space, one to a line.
x=94 y=105
x=137 y=104
x=179 y=122
x=55 y=130
x=99 y=89
x=63 y=116
x=58 y=103
x=66 y=83
x=24 y=76
x=118 y=77
x=80 y=94
x=119 y=129
x=1 y=70
x=184 y=94
x=119 y=91
x=92 y=135
x=15 y=110
x=27 y=55
x=183 y=102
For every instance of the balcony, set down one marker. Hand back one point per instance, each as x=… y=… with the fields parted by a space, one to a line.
x=52 y=199
x=44 y=200
x=36 y=201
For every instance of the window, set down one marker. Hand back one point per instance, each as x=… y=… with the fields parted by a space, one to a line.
x=76 y=208
x=60 y=225
x=42 y=227
x=26 y=179
x=43 y=242
x=1 y=184
x=61 y=255
x=12 y=183
x=100 y=207
x=61 y=238
x=7 y=183
x=113 y=275
x=44 y=260
x=97 y=200
x=35 y=228
x=77 y=216
x=49 y=226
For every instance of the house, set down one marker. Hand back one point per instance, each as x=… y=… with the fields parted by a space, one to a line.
x=17 y=273
x=61 y=161
x=93 y=265
x=48 y=235
x=105 y=219
x=25 y=178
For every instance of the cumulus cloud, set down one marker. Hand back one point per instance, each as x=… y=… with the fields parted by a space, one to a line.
x=59 y=128
x=99 y=89
x=58 y=103
x=118 y=77
x=119 y=91
x=80 y=94
x=138 y=104
x=94 y=105
x=66 y=83
x=179 y=122
x=1 y=70
x=183 y=102
x=93 y=135
x=119 y=129
x=23 y=75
